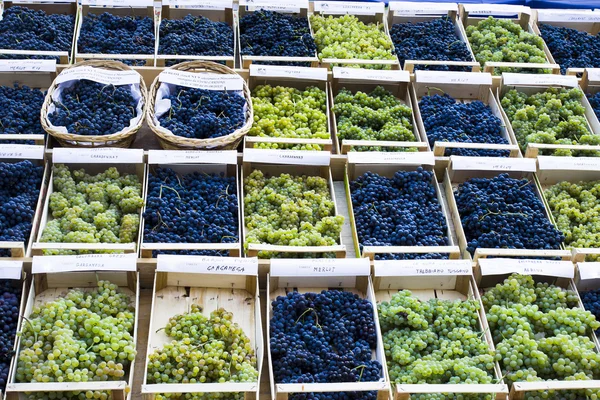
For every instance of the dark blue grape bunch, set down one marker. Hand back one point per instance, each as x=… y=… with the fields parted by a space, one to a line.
x=594 y=100
x=446 y=120
x=20 y=108
x=94 y=109
x=571 y=48
x=434 y=40
x=203 y=114
x=503 y=212
x=591 y=302
x=322 y=338
x=10 y=298
x=193 y=208
x=269 y=33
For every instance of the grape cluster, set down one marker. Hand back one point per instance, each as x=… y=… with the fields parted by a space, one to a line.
x=193 y=208
x=434 y=40
x=203 y=350
x=289 y=210
x=399 y=211
x=591 y=302
x=22 y=28
x=286 y=112
x=571 y=48
x=20 y=111
x=20 y=184
x=378 y=115
x=594 y=100
x=542 y=334
x=10 y=297
x=346 y=37
x=435 y=342
x=203 y=114
x=83 y=336
x=502 y=40
x=100 y=208
x=503 y=212
x=269 y=33
x=324 y=337
x=447 y=120
x=93 y=109
x=554 y=116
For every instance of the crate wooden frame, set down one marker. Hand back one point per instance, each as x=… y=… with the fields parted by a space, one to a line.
x=388 y=170
x=50 y=286
x=65 y=57
x=363 y=286
x=170 y=297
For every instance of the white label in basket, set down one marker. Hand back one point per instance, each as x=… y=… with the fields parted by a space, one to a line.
x=500 y=266
x=371 y=74
x=106 y=155
x=569 y=163
x=208 y=81
x=10 y=269
x=107 y=77
x=21 y=151
x=470 y=78
x=496 y=9
x=192 y=156
x=416 y=8
x=294 y=157
x=28 y=65
x=422 y=267
x=493 y=164
x=589 y=270
x=510 y=79
x=275 y=5
x=320 y=267
x=383 y=157
x=281 y=71
x=207 y=265
x=200 y=4
x=550 y=15
x=119 y=3
x=84 y=262
x=349 y=7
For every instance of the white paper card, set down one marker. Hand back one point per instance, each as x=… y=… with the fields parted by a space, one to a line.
x=28 y=65
x=496 y=9
x=384 y=157
x=550 y=15
x=21 y=151
x=84 y=262
x=107 y=77
x=569 y=163
x=589 y=270
x=203 y=80
x=416 y=8
x=445 y=77
x=293 y=157
x=308 y=267
x=511 y=79
x=10 y=269
x=108 y=155
x=192 y=157
x=422 y=267
x=492 y=164
x=371 y=74
x=200 y=4
x=119 y=3
x=207 y=265
x=275 y=5
x=349 y=7
x=593 y=74
x=281 y=71
x=500 y=266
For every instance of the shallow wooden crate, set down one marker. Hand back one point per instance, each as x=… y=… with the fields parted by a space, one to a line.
x=387 y=164
x=305 y=276
x=181 y=281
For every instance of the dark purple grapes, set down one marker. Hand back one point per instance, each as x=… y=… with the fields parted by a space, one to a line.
x=10 y=298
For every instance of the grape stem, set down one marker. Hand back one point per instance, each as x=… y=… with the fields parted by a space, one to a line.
x=35 y=336
x=362 y=368
x=434 y=88
x=316 y=316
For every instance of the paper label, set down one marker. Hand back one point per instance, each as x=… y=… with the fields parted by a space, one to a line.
x=84 y=262
x=422 y=267
x=470 y=78
x=569 y=163
x=279 y=71
x=495 y=9
x=293 y=157
x=384 y=157
x=589 y=270
x=289 y=6
x=308 y=267
x=119 y=3
x=492 y=164
x=10 y=269
x=200 y=4
x=21 y=151
x=192 y=157
x=108 y=155
x=371 y=74
x=28 y=65
x=501 y=266
x=593 y=74
x=202 y=80
x=568 y=16
x=349 y=7
x=274 y=7
x=107 y=77
x=510 y=79
x=207 y=265
x=415 y=8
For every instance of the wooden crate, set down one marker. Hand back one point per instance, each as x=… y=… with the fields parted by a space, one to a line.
x=174 y=10
x=532 y=84
x=185 y=162
x=97 y=7
x=354 y=79
x=430 y=279
x=52 y=278
x=314 y=276
x=464 y=87
x=295 y=163
x=298 y=78
x=93 y=161
x=462 y=169
x=211 y=282
x=402 y=12
x=49 y=7
x=387 y=164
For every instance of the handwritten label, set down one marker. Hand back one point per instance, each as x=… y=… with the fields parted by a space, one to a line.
x=202 y=80
x=42 y=1
x=383 y=157
x=415 y=8
x=501 y=266
x=492 y=164
x=293 y=157
x=192 y=157
x=207 y=265
x=593 y=74
x=107 y=77
x=84 y=262
x=200 y=4
x=108 y=155
x=371 y=74
x=470 y=78
x=568 y=16
x=279 y=71
x=496 y=9
x=320 y=267
x=21 y=151
x=422 y=267
x=275 y=5
x=510 y=79
x=28 y=65
x=569 y=163
x=349 y=7
x=10 y=269
x=589 y=270
x=119 y=3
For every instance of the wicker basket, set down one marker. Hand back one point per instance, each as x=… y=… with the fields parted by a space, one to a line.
x=123 y=139
x=169 y=141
